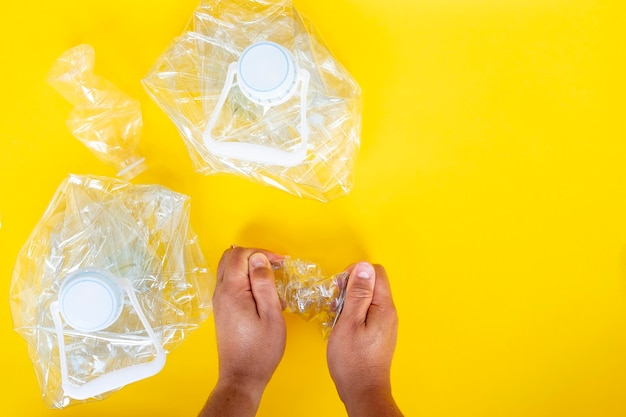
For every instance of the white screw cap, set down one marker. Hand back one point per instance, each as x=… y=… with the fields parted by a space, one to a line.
x=90 y=300
x=268 y=73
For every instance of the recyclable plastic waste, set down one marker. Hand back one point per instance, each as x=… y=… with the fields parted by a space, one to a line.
x=254 y=91
x=309 y=293
x=105 y=119
x=111 y=279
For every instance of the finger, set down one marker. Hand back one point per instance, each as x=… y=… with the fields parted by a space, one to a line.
x=359 y=293
x=382 y=289
x=382 y=308
x=234 y=263
x=222 y=265
x=263 y=285
x=233 y=280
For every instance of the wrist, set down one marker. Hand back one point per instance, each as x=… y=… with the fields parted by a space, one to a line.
x=244 y=388
x=233 y=397
x=371 y=401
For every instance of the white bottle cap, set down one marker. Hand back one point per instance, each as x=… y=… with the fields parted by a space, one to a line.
x=268 y=73
x=90 y=300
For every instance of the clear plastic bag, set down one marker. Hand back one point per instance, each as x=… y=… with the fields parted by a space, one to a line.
x=105 y=119
x=254 y=91
x=309 y=293
x=110 y=280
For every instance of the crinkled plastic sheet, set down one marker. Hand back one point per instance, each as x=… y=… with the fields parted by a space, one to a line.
x=188 y=79
x=105 y=119
x=137 y=232
x=309 y=293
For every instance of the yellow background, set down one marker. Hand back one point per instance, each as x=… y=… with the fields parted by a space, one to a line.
x=491 y=183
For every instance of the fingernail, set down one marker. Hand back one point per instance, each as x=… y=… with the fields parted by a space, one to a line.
x=364 y=270
x=258 y=260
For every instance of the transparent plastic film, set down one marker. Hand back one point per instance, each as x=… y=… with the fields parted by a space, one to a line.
x=105 y=119
x=111 y=279
x=254 y=91
x=308 y=292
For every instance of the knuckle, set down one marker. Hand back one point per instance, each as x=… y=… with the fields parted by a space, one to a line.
x=264 y=272
x=264 y=285
x=360 y=291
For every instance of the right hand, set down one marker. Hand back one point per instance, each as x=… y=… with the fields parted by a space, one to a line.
x=361 y=345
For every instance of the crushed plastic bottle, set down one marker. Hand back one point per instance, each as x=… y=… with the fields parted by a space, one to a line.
x=309 y=293
x=111 y=279
x=105 y=119
x=255 y=92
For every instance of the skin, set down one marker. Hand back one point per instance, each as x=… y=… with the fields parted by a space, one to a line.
x=362 y=343
x=251 y=335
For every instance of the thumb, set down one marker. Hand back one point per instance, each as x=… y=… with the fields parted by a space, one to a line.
x=263 y=285
x=359 y=293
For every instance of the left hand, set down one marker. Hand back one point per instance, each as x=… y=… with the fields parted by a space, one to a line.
x=248 y=320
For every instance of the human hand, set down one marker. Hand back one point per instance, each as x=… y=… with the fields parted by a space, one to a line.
x=250 y=331
x=361 y=344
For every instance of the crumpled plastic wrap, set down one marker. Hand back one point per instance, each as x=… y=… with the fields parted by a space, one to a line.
x=308 y=292
x=137 y=233
x=105 y=119
x=305 y=145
